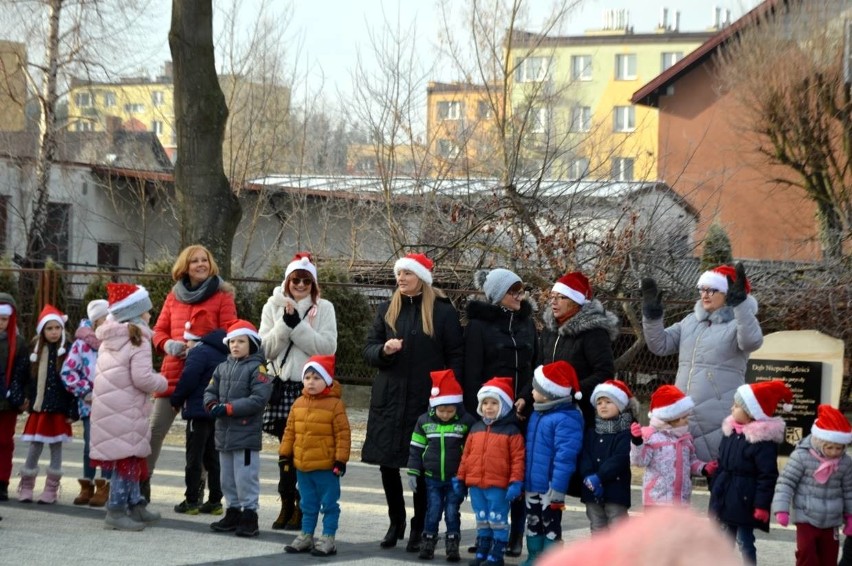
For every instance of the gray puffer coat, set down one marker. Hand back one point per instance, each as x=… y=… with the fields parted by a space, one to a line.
x=712 y=350
x=797 y=492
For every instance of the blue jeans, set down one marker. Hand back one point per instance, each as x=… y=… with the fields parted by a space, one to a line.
x=440 y=498
x=744 y=537
x=492 y=512
x=320 y=491
x=88 y=470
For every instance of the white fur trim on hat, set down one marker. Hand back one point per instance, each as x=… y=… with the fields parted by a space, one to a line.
x=242 y=332
x=317 y=367
x=752 y=405
x=444 y=399
x=612 y=393
x=713 y=280
x=553 y=388
x=47 y=318
x=834 y=436
x=415 y=267
x=564 y=289
x=6 y=310
x=302 y=263
x=674 y=411
x=491 y=392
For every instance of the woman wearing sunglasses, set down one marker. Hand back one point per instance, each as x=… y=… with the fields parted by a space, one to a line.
x=713 y=343
x=295 y=325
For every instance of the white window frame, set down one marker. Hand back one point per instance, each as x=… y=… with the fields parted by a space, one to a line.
x=134 y=108
x=109 y=99
x=158 y=98
x=669 y=58
x=85 y=126
x=83 y=99
x=581 y=119
x=450 y=109
x=447 y=149
x=157 y=127
x=532 y=70
x=578 y=168
x=539 y=119
x=581 y=67
x=622 y=168
x=624 y=119
x=625 y=67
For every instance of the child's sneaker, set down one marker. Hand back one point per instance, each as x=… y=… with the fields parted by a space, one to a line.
x=302 y=543
x=187 y=508
x=324 y=546
x=210 y=508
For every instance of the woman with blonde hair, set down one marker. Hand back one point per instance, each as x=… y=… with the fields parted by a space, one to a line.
x=414 y=333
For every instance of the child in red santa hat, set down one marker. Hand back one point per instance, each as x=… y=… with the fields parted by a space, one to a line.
x=742 y=487
x=817 y=484
x=666 y=451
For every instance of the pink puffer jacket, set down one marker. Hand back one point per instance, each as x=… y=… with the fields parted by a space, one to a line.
x=120 y=404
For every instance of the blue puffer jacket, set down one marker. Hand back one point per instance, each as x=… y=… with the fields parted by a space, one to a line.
x=554 y=441
x=608 y=456
x=201 y=361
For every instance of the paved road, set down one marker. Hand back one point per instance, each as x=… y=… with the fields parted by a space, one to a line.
x=33 y=534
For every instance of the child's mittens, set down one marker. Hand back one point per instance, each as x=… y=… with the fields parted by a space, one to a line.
x=783 y=518
x=710 y=468
x=557 y=500
x=174 y=347
x=339 y=469
x=847 y=525
x=412 y=480
x=514 y=490
x=636 y=434
x=761 y=515
x=219 y=410
x=593 y=484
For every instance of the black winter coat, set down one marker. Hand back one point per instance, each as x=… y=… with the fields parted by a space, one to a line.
x=13 y=391
x=608 y=456
x=499 y=343
x=401 y=389
x=55 y=398
x=197 y=372
x=585 y=342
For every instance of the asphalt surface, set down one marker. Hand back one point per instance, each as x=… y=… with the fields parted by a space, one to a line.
x=32 y=534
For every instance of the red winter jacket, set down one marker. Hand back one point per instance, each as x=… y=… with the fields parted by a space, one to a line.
x=493 y=455
x=170 y=326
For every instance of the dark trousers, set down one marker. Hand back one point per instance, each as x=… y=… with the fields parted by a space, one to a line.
x=816 y=547
x=392 y=484
x=8 y=420
x=201 y=454
x=442 y=500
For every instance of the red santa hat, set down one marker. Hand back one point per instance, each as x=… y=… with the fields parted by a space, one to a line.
x=831 y=426
x=616 y=391
x=418 y=264
x=323 y=365
x=303 y=261
x=49 y=313
x=668 y=403
x=761 y=399
x=575 y=286
x=127 y=301
x=242 y=328
x=445 y=388
x=199 y=324
x=557 y=379
x=717 y=278
x=499 y=388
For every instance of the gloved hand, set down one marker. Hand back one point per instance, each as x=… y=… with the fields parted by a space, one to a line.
x=710 y=468
x=292 y=319
x=652 y=299
x=459 y=487
x=514 y=490
x=339 y=468
x=218 y=410
x=285 y=463
x=783 y=518
x=593 y=484
x=761 y=515
x=412 y=481
x=636 y=434
x=557 y=500
x=736 y=289
x=174 y=347
x=847 y=525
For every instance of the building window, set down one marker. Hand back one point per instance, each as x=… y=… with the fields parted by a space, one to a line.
x=581 y=119
x=539 y=119
x=157 y=127
x=83 y=99
x=670 y=58
x=450 y=110
x=58 y=238
x=85 y=126
x=531 y=69
x=578 y=168
x=109 y=99
x=622 y=168
x=447 y=148
x=158 y=98
x=624 y=119
x=625 y=67
x=134 y=108
x=581 y=67
x=483 y=110
x=108 y=255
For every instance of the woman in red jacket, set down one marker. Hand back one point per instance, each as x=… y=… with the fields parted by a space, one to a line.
x=198 y=294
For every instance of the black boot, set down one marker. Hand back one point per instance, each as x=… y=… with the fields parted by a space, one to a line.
x=483 y=546
x=453 y=548
x=247 y=526
x=414 y=536
x=396 y=532
x=295 y=521
x=4 y=491
x=516 y=543
x=427 y=547
x=284 y=515
x=229 y=522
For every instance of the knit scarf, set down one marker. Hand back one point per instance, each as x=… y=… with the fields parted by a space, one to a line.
x=827 y=466
x=614 y=425
x=190 y=296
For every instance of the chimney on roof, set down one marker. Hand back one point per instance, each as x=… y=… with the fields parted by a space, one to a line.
x=716 y=16
x=727 y=17
x=677 y=21
x=664 y=18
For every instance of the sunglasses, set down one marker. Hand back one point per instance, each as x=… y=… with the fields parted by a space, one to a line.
x=301 y=281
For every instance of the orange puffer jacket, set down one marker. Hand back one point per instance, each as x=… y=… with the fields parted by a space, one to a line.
x=493 y=455
x=317 y=433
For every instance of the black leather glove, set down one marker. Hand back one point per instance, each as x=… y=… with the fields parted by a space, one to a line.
x=736 y=289
x=292 y=319
x=652 y=299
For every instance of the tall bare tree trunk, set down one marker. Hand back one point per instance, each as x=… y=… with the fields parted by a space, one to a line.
x=209 y=210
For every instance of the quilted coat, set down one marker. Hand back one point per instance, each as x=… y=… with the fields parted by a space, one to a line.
x=712 y=350
x=748 y=470
x=822 y=505
x=554 y=442
x=585 y=342
x=400 y=392
x=315 y=335
x=171 y=322
x=670 y=462
x=317 y=433
x=437 y=446
x=608 y=456
x=78 y=369
x=198 y=368
x=493 y=455
x=120 y=404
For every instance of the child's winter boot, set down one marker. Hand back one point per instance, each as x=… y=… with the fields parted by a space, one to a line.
x=324 y=546
x=86 y=492
x=495 y=555
x=26 y=484
x=248 y=524
x=119 y=520
x=51 y=487
x=535 y=546
x=452 y=545
x=302 y=543
x=427 y=546
x=229 y=522
x=483 y=545
x=140 y=513
x=101 y=495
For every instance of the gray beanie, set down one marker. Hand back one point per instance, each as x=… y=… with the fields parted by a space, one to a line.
x=127 y=302
x=495 y=283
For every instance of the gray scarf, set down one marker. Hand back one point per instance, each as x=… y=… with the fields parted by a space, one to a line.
x=612 y=426
x=547 y=405
x=189 y=296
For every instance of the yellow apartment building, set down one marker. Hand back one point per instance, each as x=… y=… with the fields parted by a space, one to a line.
x=13 y=86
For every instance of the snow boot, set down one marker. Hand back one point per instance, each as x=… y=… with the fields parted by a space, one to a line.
x=86 y=492
x=26 y=484
x=51 y=487
x=120 y=521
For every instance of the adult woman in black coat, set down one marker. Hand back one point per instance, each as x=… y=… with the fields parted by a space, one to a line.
x=500 y=341
x=580 y=331
x=413 y=334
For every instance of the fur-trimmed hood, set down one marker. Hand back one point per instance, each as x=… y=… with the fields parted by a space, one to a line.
x=758 y=431
x=591 y=315
x=487 y=312
x=724 y=314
